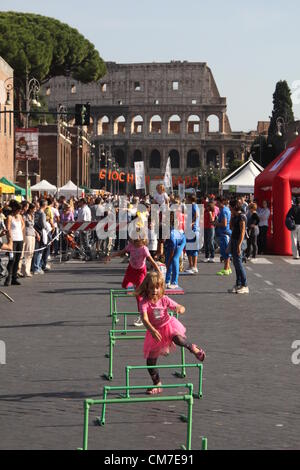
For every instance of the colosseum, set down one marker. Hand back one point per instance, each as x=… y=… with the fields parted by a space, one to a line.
x=150 y=111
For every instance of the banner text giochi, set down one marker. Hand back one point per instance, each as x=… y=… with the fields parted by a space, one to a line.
x=130 y=178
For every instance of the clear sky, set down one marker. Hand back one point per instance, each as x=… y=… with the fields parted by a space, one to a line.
x=248 y=45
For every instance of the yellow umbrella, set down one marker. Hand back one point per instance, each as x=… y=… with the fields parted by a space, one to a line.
x=5 y=189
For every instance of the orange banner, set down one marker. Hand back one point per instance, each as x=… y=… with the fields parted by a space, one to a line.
x=129 y=178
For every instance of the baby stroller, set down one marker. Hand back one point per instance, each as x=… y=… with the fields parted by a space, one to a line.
x=72 y=249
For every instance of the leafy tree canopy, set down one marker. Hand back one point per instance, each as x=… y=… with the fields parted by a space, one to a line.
x=45 y=47
x=282 y=106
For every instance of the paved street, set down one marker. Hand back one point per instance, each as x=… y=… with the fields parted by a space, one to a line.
x=56 y=335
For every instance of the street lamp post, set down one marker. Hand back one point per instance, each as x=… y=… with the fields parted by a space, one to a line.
x=61 y=113
x=32 y=89
x=282 y=124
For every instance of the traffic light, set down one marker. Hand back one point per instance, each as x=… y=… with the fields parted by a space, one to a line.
x=82 y=114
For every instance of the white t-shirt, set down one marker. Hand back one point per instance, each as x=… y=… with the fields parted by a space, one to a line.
x=84 y=214
x=152 y=240
x=263 y=215
x=55 y=214
x=161 y=199
x=100 y=210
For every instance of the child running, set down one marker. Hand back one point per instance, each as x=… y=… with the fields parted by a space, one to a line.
x=163 y=331
x=137 y=269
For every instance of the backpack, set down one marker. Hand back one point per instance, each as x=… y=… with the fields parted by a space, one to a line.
x=290 y=220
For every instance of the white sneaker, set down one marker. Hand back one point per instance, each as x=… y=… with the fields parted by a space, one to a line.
x=168 y=285
x=173 y=286
x=206 y=260
x=189 y=271
x=138 y=322
x=212 y=260
x=242 y=290
x=195 y=270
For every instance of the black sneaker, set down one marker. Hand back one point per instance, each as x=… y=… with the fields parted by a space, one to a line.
x=15 y=282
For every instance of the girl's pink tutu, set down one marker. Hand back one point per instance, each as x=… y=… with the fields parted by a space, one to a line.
x=153 y=349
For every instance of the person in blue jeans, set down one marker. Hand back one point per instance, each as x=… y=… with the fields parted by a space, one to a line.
x=192 y=245
x=223 y=233
x=173 y=250
x=238 y=225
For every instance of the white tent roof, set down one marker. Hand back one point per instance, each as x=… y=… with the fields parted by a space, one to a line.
x=44 y=186
x=243 y=178
x=70 y=189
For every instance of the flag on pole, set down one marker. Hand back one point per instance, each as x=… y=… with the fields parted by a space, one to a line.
x=139 y=171
x=181 y=190
x=168 y=175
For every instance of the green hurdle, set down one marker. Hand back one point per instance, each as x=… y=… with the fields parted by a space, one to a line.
x=128 y=335
x=122 y=401
x=106 y=389
x=170 y=366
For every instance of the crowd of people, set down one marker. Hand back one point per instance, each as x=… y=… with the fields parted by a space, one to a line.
x=236 y=227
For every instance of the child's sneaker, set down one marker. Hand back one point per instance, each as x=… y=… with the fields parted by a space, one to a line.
x=198 y=352
x=224 y=272
x=138 y=322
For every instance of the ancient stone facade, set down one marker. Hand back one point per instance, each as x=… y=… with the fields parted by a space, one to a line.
x=151 y=111
x=6 y=121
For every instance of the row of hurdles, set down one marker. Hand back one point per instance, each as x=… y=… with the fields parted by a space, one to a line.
x=127 y=334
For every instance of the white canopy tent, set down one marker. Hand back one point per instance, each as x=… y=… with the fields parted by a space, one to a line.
x=70 y=189
x=44 y=187
x=242 y=180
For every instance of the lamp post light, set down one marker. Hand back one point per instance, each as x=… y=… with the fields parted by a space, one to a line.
x=32 y=89
x=61 y=117
x=282 y=124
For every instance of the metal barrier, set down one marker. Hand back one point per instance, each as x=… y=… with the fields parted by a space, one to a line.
x=106 y=389
x=122 y=335
x=122 y=401
x=170 y=366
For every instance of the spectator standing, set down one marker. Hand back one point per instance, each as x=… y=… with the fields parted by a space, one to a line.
x=252 y=230
x=192 y=252
x=223 y=233
x=30 y=236
x=294 y=213
x=84 y=215
x=209 y=232
x=238 y=226
x=263 y=214
x=40 y=225
x=16 y=230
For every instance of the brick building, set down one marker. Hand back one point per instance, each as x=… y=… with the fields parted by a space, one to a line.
x=55 y=153
x=61 y=151
x=6 y=121
x=147 y=112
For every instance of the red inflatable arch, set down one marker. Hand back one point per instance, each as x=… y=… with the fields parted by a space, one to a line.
x=276 y=184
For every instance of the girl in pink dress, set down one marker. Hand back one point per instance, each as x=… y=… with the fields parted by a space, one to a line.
x=163 y=331
x=137 y=269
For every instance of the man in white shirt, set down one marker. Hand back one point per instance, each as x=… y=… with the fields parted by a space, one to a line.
x=84 y=215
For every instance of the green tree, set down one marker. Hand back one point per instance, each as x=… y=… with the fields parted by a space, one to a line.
x=44 y=48
x=234 y=165
x=283 y=108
